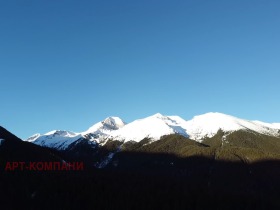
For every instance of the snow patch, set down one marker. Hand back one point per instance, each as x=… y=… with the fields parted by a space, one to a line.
x=108 y=159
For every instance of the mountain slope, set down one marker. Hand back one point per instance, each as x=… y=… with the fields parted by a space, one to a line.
x=14 y=149
x=6 y=135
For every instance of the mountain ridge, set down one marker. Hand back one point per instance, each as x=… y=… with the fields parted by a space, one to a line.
x=154 y=127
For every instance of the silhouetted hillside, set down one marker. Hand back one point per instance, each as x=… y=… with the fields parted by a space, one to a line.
x=191 y=183
x=5 y=134
x=14 y=149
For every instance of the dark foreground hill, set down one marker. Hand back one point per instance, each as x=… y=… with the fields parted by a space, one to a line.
x=13 y=149
x=196 y=183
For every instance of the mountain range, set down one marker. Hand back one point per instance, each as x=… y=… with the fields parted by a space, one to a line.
x=211 y=135
x=154 y=127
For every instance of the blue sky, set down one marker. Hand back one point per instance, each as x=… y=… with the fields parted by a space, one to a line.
x=69 y=64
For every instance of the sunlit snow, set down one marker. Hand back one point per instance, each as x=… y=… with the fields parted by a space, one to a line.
x=154 y=127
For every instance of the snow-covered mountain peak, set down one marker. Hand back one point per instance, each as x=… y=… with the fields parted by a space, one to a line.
x=208 y=125
x=152 y=127
x=59 y=139
x=61 y=133
x=106 y=126
x=157 y=115
x=113 y=123
x=143 y=128
x=213 y=115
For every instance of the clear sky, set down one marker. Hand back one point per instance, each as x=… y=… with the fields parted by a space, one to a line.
x=68 y=64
